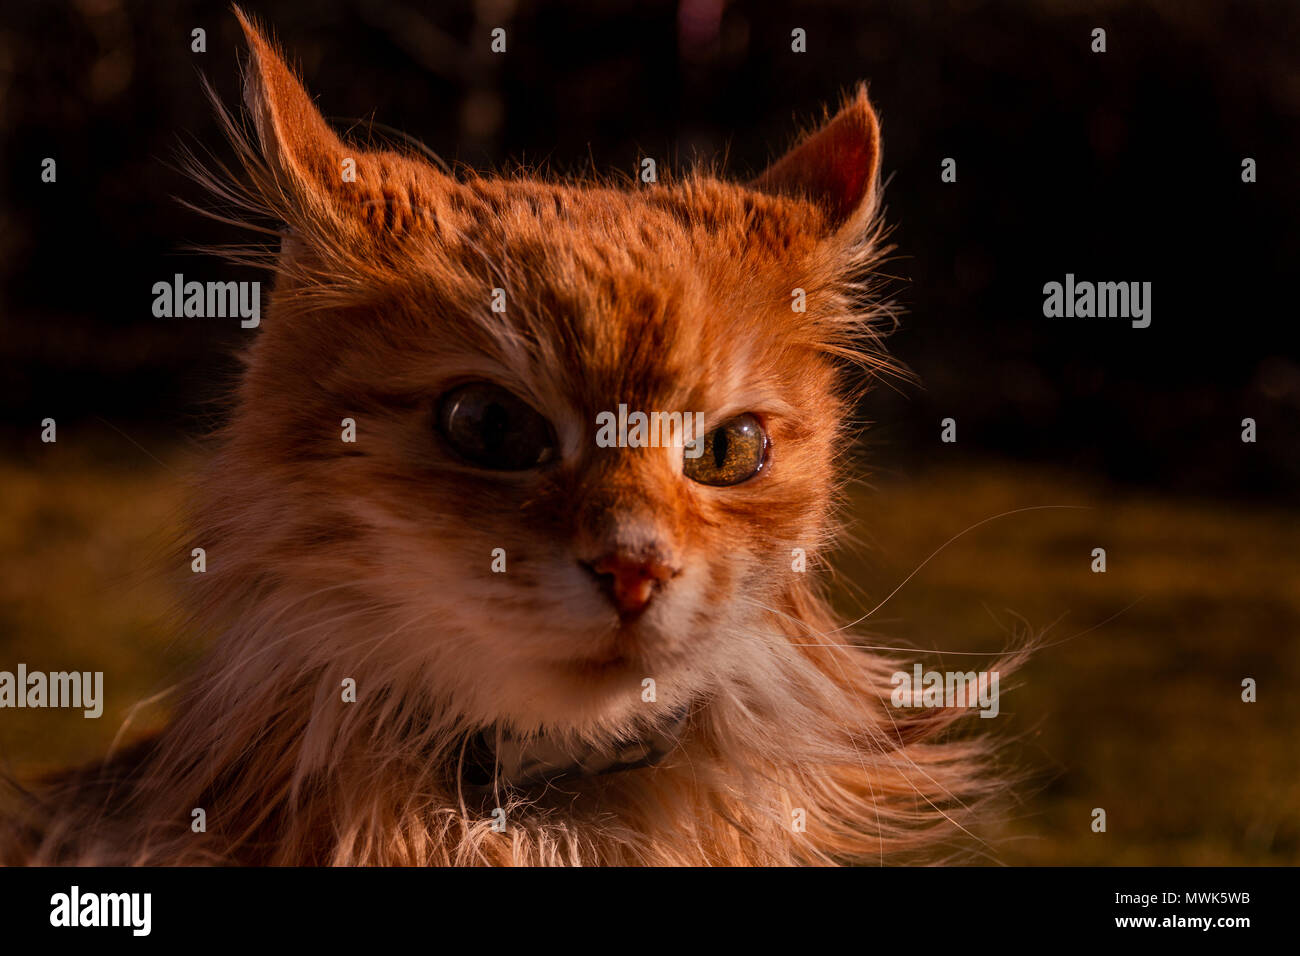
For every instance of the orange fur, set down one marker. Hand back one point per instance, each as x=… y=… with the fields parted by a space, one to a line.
x=370 y=561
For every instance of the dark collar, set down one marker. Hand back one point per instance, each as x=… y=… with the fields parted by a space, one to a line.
x=495 y=757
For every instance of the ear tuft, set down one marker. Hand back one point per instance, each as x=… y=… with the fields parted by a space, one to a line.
x=836 y=166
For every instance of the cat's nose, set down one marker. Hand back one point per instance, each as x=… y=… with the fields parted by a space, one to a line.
x=630 y=580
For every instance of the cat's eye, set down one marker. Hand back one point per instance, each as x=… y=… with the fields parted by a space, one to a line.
x=488 y=426
x=733 y=452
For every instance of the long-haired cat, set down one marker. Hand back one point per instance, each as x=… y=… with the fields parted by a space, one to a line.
x=448 y=625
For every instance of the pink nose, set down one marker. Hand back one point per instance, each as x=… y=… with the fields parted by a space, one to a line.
x=630 y=581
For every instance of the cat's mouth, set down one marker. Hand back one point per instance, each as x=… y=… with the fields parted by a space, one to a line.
x=624 y=646
x=615 y=653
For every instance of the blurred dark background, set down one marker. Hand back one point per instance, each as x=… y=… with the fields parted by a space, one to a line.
x=1122 y=166
x=1117 y=166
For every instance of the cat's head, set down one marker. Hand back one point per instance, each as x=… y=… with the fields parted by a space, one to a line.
x=485 y=538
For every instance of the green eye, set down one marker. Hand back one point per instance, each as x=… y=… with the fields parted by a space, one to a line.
x=733 y=452
x=492 y=428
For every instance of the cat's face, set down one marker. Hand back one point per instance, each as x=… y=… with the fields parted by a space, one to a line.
x=488 y=338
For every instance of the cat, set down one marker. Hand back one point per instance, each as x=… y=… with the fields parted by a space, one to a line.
x=471 y=634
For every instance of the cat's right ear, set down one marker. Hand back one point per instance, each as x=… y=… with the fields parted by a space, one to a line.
x=298 y=145
x=836 y=166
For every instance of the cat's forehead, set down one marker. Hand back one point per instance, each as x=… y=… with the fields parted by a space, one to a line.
x=640 y=293
x=702 y=250
x=722 y=222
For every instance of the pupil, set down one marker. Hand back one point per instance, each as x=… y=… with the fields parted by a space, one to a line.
x=719 y=447
x=494 y=426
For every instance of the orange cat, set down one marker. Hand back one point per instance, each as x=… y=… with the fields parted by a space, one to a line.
x=476 y=634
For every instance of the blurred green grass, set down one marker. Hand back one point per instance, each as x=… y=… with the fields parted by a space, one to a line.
x=83 y=587
x=1140 y=713
x=1138 y=708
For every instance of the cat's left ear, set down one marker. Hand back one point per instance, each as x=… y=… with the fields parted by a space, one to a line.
x=837 y=166
x=297 y=143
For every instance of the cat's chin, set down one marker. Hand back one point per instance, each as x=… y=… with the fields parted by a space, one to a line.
x=577 y=696
x=606 y=687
